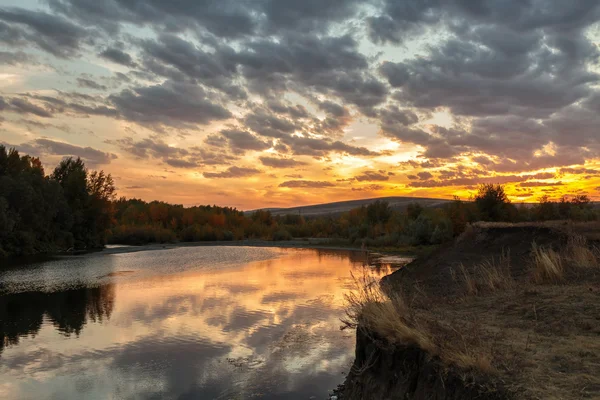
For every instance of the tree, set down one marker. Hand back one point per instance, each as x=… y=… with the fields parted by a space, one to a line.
x=90 y=198
x=492 y=202
x=546 y=210
x=100 y=211
x=379 y=212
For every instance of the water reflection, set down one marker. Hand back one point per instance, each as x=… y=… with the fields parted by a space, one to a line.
x=22 y=314
x=266 y=328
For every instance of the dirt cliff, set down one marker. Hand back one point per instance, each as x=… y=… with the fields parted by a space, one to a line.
x=488 y=325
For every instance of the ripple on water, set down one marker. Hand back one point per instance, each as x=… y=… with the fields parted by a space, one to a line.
x=197 y=322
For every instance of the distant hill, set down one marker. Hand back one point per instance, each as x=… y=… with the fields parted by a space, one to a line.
x=343 y=206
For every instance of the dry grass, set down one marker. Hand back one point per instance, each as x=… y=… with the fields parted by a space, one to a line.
x=550 y=266
x=581 y=254
x=391 y=318
x=467 y=279
x=491 y=275
x=537 y=341
x=547 y=265
x=398 y=322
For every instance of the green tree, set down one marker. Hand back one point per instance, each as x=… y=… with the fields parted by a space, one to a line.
x=493 y=203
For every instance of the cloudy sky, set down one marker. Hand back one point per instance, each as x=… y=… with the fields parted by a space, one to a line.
x=253 y=103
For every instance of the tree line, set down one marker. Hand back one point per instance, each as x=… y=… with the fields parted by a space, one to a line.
x=73 y=208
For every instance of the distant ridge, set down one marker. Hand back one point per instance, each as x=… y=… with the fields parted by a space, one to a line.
x=343 y=206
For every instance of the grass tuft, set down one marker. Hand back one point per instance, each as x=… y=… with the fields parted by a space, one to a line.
x=391 y=318
x=495 y=273
x=491 y=275
x=547 y=265
x=467 y=279
x=581 y=254
x=397 y=322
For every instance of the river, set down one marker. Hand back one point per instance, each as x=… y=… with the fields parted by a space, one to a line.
x=180 y=323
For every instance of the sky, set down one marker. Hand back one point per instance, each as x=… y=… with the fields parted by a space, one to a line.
x=274 y=103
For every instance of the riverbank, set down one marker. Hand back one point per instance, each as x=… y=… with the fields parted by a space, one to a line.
x=507 y=311
x=313 y=243
x=305 y=243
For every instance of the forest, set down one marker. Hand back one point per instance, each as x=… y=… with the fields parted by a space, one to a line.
x=73 y=208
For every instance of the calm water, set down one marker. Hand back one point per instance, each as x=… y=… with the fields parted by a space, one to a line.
x=183 y=323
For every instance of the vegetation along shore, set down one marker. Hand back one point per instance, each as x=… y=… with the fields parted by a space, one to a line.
x=74 y=209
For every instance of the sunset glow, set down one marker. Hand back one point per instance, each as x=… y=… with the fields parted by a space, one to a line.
x=275 y=103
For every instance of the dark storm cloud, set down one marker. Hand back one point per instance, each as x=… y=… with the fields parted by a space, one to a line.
x=41 y=147
x=76 y=104
x=118 y=56
x=305 y=184
x=517 y=76
x=319 y=147
x=187 y=104
x=371 y=176
x=539 y=184
x=155 y=148
x=469 y=181
x=178 y=163
x=287 y=130
x=307 y=15
x=16 y=58
x=306 y=62
x=424 y=175
x=240 y=141
x=580 y=171
x=520 y=70
x=23 y=106
x=149 y=147
x=88 y=154
x=90 y=84
x=276 y=162
x=269 y=125
x=368 y=188
x=301 y=56
x=233 y=172
x=51 y=33
x=297 y=111
x=398 y=20
x=397 y=124
x=466 y=78
x=333 y=108
x=224 y=18
x=179 y=59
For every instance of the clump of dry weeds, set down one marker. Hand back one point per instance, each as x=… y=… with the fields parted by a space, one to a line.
x=490 y=275
x=551 y=266
x=547 y=265
x=405 y=322
x=581 y=254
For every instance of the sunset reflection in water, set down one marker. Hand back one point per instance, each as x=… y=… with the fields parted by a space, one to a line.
x=160 y=324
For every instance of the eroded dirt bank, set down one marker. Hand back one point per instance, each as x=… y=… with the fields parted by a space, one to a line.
x=382 y=372
x=476 y=320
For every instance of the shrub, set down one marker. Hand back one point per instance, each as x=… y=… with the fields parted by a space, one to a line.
x=493 y=203
x=420 y=230
x=138 y=235
x=281 y=234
